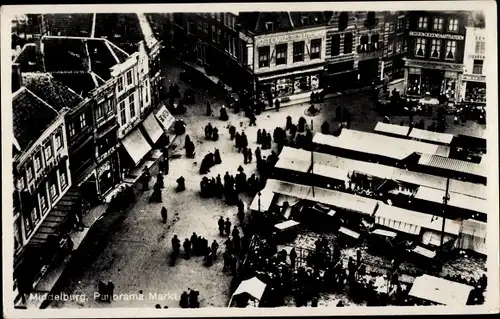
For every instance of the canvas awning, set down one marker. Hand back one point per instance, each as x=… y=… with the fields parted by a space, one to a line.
x=440 y=291
x=152 y=128
x=266 y=198
x=434 y=137
x=473 y=204
x=474 y=228
x=165 y=118
x=385 y=233
x=253 y=287
x=348 y=232
x=385 y=128
x=136 y=145
x=286 y=224
x=452 y=164
x=293 y=165
x=424 y=252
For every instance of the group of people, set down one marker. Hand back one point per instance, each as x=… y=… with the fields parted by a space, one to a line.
x=209 y=161
x=105 y=291
x=235 y=244
x=264 y=139
x=241 y=141
x=158 y=186
x=211 y=132
x=189 y=300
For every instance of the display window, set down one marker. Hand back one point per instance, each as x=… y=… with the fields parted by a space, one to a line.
x=475 y=92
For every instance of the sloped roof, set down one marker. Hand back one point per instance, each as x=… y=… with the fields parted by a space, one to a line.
x=50 y=90
x=72 y=25
x=312 y=18
x=29 y=60
x=123 y=29
x=30 y=117
x=452 y=165
x=255 y=22
x=81 y=83
x=63 y=54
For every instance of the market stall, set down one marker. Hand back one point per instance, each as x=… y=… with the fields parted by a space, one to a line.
x=248 y=294
x=440 y=291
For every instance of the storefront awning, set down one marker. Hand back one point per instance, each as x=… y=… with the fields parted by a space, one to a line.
x=285 y=74
x=136 y=145
x=439 y=290
x=152 y=128
x=452 y=164
x=165 y=118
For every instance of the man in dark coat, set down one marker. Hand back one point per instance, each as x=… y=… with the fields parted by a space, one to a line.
x=232 y=132
x=214 y=248
x=244 y=140
x=184 y=301
x=293 y=257
x=159 y=180
x=176 y=245
x=221 y=226
x=227 y=226
x=245 y=156
x=258 y=155
x=253 y=119
x=209 y=109
x=217 y=158
x=249 y=155
x=187 y=248
x=277 y=104
x=164 y=214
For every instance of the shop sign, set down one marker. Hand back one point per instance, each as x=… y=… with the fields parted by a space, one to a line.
x=106 y=154
x=165 y=118
x=285 y=38
x=415 y=71
x=450 y=75
x=477 y=56
x=436 y=35
x=474 y=78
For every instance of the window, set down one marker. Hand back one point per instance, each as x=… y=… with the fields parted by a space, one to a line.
x=214 y=34
x=38 y=162
x=219 y=35
x=399 y=46
x=315 y=49
x=348 y=43
x=29 y=173
x=83 y=120
x=28 y=226
x=453 y=25
x=335 y=45
x=72 y=129
x=451 y=47
x=100 y=111
x=58 y=140
x=390 y=46
x=205 y=28
x=263 y=57
x=437 y=24
x=120 y=84
x=281 y=52
x=48 y=152
x=374 y=41
x=22 y=184
x=363 y=43
x=399 y=28
x=109 y=106
x=298 y=51
x=63 y=180
x=53 y=190
x=435 y=48
x=191 y=27
x=123 y=117
x=480 y=45
x=129 y=77
x=304 y=20
x=17 y=235
x=35 y=217
x=391 y=27
x=343 y=20
x=269 y=26
x=420 y=47
x=371 y=21
x=131 y=105
x=477 y=67
x=422 y=22
x=43 y=201
x=146 y=97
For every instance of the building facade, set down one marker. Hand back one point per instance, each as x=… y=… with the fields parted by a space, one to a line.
x=396 y=45
x=473 y=86
x=434 y=65
x=42 y=177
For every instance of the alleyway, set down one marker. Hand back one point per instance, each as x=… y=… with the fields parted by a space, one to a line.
x=136 y=257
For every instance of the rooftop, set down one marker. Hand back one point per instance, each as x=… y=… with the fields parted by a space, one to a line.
x=55 y=93
x=255 y=22
x=30 y=117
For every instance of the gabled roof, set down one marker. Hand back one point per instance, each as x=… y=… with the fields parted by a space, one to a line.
x=255 y=22
x=306 y=19
x=81 y=83
x=30 y=117
x=69 y=25
x=29 y=60
x=50 y=90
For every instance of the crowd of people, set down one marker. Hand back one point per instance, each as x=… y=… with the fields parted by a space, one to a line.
x=189 y=299
x=476 y=94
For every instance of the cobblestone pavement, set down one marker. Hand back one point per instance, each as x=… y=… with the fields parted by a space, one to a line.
x=136 y=256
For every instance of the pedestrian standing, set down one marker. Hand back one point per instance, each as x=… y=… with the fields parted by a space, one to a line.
x=184 y=301
x=227 y=226
x=277 y=105
x=209 y=109
x=159 y=180
x=235 y=232
x=293 y=257
x=258 y=156
x=245 y=156
x=111 y=290
x=221 y=226
x=249 y=155
x=214 y=247
x=164 y=214
x=187 y=248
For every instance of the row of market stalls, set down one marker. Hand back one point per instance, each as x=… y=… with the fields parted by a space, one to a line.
x=405 y=153
x=414 y=190
x=327 y=207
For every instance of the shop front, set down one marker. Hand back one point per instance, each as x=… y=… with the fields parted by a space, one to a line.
x=339 y=76
x=474 y=88
x=106 y=178
x=290 y=84
x=368 y=71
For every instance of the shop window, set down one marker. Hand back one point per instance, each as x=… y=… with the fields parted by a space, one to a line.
x=120 y=85
x=315 y=49
x=48 y=152
x=435 y=48
x=475 y=92
x=420 y=46
x=343 y=20
x=335 y=45
x=131 y=105
x=437 y=24
x=453 y=25
x=284 y=87
x=422 y=22
x=480 y=45
x=123 y=116
x=281 y=53
x=451 y=47
x=477 y=67
x=72 y=129
x=298 y=51
x=302 y=84
x=264 y=57
x=374 y=41
x=83 y=121
x=58 y=140
x=38 y=162
x=348 y=38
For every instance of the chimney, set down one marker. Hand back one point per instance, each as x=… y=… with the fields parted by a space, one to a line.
x=17 y=80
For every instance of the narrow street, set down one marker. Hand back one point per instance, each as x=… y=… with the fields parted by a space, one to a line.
x=136 y=256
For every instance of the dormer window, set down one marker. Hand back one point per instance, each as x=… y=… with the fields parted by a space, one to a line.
x=269 y=26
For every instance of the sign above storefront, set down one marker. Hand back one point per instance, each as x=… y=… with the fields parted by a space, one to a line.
x=285 y=38
x=474 y=78
x=436 y=35
x=477 y=56
x=434 y=65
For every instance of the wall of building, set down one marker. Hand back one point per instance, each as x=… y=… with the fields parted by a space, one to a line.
x=473 y=86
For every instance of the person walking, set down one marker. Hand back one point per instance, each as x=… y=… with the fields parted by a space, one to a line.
x=164 y=214
x=221 y=226
x=227 y=227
